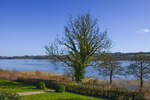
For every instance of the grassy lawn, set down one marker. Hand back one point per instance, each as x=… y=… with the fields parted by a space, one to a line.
x=58 y=96
x=17 y=86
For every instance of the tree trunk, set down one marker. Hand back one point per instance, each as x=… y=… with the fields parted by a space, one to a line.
x=79 y=74
x=141 y=77
x=141 y=83
x=110 y=81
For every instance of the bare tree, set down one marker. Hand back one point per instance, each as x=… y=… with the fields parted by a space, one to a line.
x=82 y=39
x=140 y=68
x=110 y=66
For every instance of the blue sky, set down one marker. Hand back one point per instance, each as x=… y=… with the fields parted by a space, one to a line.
x=26 y=26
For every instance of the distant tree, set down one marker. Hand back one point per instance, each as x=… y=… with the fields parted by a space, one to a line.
x=110 y=66
x=82 y=39
x=140 y=68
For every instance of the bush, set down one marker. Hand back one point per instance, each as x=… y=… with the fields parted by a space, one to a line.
x=60 y=88
x=9 y=95
x=41 y=85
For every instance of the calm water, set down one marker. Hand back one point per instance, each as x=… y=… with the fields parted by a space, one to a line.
x=45 y=66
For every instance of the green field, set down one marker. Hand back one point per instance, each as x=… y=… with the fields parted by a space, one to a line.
x=22 y=87
x=58 y=96
x=17 y=86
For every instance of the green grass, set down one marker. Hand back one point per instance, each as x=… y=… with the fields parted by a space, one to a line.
x=58 y=96
x=17 y=86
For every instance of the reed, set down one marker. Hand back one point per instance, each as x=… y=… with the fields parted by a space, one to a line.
x=14 y=75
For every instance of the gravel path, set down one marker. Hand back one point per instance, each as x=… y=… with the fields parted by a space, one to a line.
x=35 y=92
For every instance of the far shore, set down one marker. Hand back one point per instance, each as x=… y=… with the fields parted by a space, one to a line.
x=119 y=55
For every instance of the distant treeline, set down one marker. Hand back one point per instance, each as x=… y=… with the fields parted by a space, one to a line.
x=25 y=57
x=119 y=55
x=128 y=56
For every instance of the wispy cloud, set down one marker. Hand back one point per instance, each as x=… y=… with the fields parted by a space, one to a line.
x=144 y=30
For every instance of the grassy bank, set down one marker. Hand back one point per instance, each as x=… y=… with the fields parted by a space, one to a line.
x=17 y=86
x=58 y=96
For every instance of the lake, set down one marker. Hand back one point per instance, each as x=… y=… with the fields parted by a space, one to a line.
x=45 y=66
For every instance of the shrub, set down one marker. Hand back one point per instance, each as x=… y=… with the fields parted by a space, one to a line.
x=41 y=85
x=60 y=88
x=9 y=95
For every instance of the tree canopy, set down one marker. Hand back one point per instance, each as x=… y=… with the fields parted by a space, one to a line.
x=82 y=39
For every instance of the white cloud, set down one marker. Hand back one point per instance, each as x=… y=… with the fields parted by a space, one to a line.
x=146 y=30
